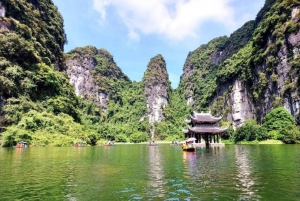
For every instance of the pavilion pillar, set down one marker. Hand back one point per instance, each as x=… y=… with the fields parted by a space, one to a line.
x=212 y=138
x=206 y=140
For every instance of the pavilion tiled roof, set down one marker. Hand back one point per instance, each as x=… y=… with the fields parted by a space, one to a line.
x=207 y=129
x=205 y=117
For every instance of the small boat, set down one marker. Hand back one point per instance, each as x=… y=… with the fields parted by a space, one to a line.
x=80 y=144
x=191 y=149
x=109 y=143
x=188 y=146
x=21 y=144
x=152 y=143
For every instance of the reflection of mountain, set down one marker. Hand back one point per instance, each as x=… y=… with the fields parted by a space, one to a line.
x=156 y=172
x=244 y=179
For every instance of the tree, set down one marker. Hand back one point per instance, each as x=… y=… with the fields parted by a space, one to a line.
x=278 y=119
x=250 y=132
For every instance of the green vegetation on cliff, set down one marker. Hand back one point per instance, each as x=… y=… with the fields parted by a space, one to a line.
x=32 y=39
x=156 y=73
x=202 y=70
x=39 y=105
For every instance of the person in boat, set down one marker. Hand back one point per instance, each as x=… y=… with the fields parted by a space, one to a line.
x=185 y=145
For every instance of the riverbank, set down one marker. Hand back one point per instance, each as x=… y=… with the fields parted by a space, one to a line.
x=223 y=141
x=254 y=142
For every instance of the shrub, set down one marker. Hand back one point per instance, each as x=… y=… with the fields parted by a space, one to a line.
x=250 y=132
x=121 y=138
x=138 y=137
x=291 y=134
x=278 y=119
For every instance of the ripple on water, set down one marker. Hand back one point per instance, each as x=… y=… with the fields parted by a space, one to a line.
x=136 y=197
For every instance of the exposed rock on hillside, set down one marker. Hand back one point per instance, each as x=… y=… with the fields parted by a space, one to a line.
x=247 y=78
x=2 y=10
x=201 y=65
x=242 y=107
x=278 y=75
x=157 y=86
x=93 y=74
x=83 y=82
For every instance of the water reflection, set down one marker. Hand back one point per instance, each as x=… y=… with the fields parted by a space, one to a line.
x=156 y=172
x=244 y=176
x=190 y=162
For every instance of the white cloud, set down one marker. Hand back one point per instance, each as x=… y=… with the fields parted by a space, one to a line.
x=174 y=19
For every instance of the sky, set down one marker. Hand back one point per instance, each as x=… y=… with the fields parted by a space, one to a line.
x=134 y=31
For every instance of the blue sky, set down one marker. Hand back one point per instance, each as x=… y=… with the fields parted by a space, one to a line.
x=134 y=31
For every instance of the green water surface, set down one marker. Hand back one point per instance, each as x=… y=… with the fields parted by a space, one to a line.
x=141 y=172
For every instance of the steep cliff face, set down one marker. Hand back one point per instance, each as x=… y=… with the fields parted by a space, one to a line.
x=242 y=107
x=2 y=10
x=31 y=44
x=32 y=20
x=260 y=73
x=80 y=75
x=271 y=60
x=92 y=73
x=279 y=71
x=199 y=72
x=156 y=86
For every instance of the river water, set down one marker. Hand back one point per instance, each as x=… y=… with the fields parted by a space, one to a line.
x=141 y=172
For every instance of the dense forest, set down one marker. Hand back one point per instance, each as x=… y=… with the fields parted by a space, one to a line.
x=40 y=104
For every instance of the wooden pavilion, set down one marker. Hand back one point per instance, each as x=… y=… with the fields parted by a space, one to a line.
x=204 y=129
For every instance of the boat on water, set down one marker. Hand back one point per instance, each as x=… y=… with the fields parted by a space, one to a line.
x=21 y=144
x=188 y=146
x=109 y=143
x=176 y=143
x=152 y=143
x=80 y=144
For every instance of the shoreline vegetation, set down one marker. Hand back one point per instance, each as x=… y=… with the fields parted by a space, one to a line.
x=38 y=104
x=226 y=142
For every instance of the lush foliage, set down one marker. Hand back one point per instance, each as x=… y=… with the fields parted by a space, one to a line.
x=38 y=23
x=40 y=106
x=281 y=125
x=171 y=127
x=156 y=73
x=277 y=119
x=32 y=39
x=250 y=132
x=47 y=129
x=107 y=75
x=207 y=67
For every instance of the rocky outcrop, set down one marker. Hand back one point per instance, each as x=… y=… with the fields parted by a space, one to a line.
x=2 y=10
x=93 y=74
x=156 y=87
x=242 y=107
x=269 y=81
x=284 y=87
x=204 y=61
x=157 y=100
x=80 y=76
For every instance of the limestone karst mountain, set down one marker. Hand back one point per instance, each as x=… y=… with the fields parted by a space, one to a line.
x=84 y=94
x=93 y=73
x=256 y=77
x=157 y=88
